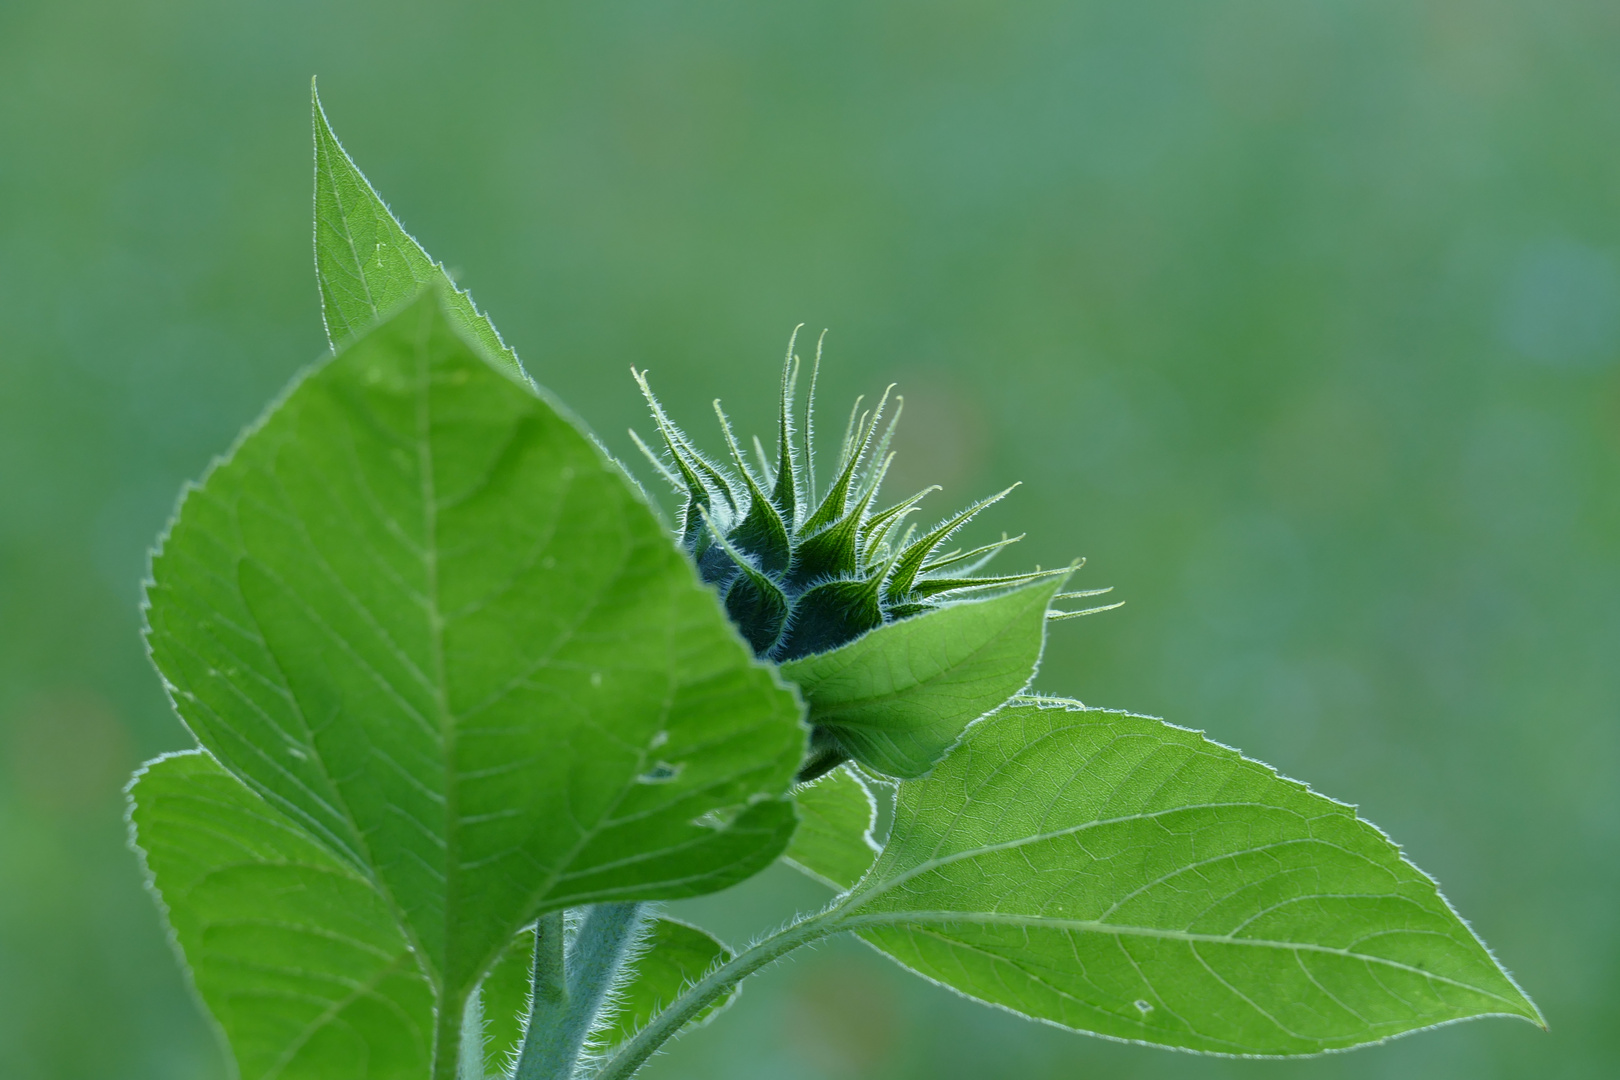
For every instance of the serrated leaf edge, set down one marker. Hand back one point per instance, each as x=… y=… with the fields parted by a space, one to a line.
x=853 y=922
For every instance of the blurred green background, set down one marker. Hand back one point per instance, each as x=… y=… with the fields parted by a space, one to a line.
x=1299 y=318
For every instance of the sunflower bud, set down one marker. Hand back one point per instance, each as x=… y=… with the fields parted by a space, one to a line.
x=801 y=570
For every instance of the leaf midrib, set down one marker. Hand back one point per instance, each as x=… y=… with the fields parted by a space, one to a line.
x=900 y=919
x=897 y=918
x=435 y=684
x=927 y=865
x=431 y=606
x=448 y=719
x=1048 y=984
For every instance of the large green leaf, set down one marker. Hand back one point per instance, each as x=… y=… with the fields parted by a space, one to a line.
x=672 y=956
x=1114 y=874
x=897 y=698
x=833 y=843
x=365 y=261
x=295 y=953
x=421 y=614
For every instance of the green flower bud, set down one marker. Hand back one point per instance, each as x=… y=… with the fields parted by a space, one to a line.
x=803 y=571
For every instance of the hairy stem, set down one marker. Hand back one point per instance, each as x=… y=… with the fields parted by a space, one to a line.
x=549 y=997
x=447 y=1032
x=574 y=993
x=600 y=950
x=663 y=1027
x=471 y=1052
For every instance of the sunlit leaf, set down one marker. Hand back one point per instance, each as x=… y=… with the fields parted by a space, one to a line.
x=1114 y=874
x=420 y=613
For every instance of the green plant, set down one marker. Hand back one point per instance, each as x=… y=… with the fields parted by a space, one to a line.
x=465 y=706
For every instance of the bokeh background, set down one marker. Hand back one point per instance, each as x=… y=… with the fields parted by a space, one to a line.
x=1299 y=318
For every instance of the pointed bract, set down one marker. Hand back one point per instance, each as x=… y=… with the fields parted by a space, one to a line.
x=798 y=575
x=787 y=483
x=762 y=533
x=911 y=560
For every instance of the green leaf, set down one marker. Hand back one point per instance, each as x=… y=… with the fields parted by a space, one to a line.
x=421 y=614
x=295 y=953
x=899 y=697
x=834 y=841
x=675 y=956
x=506 y=1002
x=1114 y=874
x=366 y=262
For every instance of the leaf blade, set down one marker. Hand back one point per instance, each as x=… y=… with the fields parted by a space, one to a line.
x=420 y=613
x=834 y=843
x=899 y=697
x=1116 y=875
x=678 y=955
x=295 y=954
x=366 y=263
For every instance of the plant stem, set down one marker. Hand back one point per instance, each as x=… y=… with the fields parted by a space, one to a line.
x=471 y=1052
x=634 y=1053
x=600 y=950
x=560 y=1024
x=549 y=997
x=824 y=756
x=447 y=1033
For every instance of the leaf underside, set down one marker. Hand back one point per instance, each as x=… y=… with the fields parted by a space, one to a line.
x=833 y=843
x=898 y=698
x=419 y=613
x=1117 y=875
x=678 y=955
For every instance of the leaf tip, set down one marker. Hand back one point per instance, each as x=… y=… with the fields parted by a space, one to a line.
x=317 y=111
